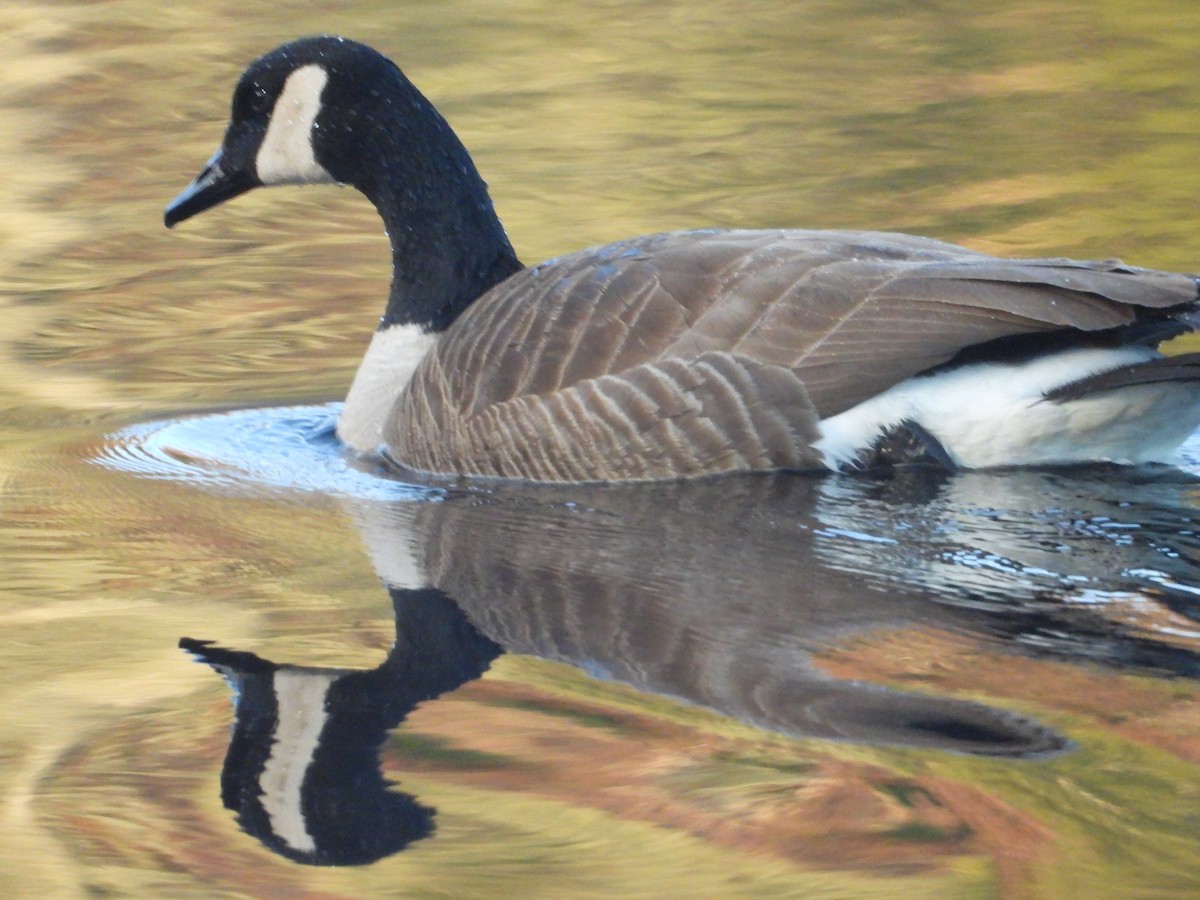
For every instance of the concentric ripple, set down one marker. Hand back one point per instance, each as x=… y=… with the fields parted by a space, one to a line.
x=290 y=448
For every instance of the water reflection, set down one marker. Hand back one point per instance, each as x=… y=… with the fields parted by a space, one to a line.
x=302 y=770
x=724 y=594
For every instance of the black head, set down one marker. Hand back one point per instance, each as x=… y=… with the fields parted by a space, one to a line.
x=294 y=112
x=329 y=110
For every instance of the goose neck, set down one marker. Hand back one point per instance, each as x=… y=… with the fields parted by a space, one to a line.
x=448 y=246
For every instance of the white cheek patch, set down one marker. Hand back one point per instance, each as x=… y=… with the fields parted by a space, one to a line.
x=286 y=155
x=301 y=718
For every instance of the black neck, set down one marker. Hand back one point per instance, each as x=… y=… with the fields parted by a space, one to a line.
x=448 y=246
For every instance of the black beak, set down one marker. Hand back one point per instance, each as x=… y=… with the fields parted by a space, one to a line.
x=212 y=186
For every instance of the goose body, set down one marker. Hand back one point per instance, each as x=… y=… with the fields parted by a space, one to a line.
x=701 y=352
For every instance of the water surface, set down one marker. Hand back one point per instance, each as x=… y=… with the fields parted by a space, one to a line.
x=983 y=684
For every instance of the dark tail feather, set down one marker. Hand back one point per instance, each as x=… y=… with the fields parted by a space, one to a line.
x=1189 y=313
x=1185 y=367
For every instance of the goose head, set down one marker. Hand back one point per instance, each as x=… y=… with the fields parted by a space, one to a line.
x=328 y=110
x=274 y=134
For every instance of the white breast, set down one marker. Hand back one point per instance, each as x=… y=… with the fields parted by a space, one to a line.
x=385 y=371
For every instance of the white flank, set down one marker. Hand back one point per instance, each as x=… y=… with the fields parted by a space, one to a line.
x=385 y=371
x=286 y=154
x=300 y=697
x=993 y=414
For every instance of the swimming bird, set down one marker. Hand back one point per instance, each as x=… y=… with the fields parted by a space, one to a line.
x=699 y=352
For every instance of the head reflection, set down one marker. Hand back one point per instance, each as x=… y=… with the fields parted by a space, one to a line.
x=302 y=771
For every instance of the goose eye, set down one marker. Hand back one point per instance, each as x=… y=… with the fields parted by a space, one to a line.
x=260 y=100
x=253 y=100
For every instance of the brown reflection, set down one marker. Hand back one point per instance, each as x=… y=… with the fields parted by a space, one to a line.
x=720 y=594
x=669 y=579
x=712 y=592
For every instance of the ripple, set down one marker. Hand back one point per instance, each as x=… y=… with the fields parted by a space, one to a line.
x=288 y=448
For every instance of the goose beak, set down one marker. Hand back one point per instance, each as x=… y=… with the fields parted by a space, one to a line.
x=212 y=186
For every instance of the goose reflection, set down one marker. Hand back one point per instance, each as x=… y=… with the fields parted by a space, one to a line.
x=302 y=769
x=717 y=594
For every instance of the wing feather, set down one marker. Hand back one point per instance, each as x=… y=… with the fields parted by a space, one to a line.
x=670 y=419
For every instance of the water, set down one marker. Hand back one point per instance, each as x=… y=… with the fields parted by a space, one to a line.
x=1008 y=660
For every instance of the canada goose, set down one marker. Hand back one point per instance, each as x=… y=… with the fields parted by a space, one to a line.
x=693 y=353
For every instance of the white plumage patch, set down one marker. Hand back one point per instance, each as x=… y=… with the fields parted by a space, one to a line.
x=993 y=414
x=286 y=153
x=300 y=697
x=393 y=540
x=385 y=371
